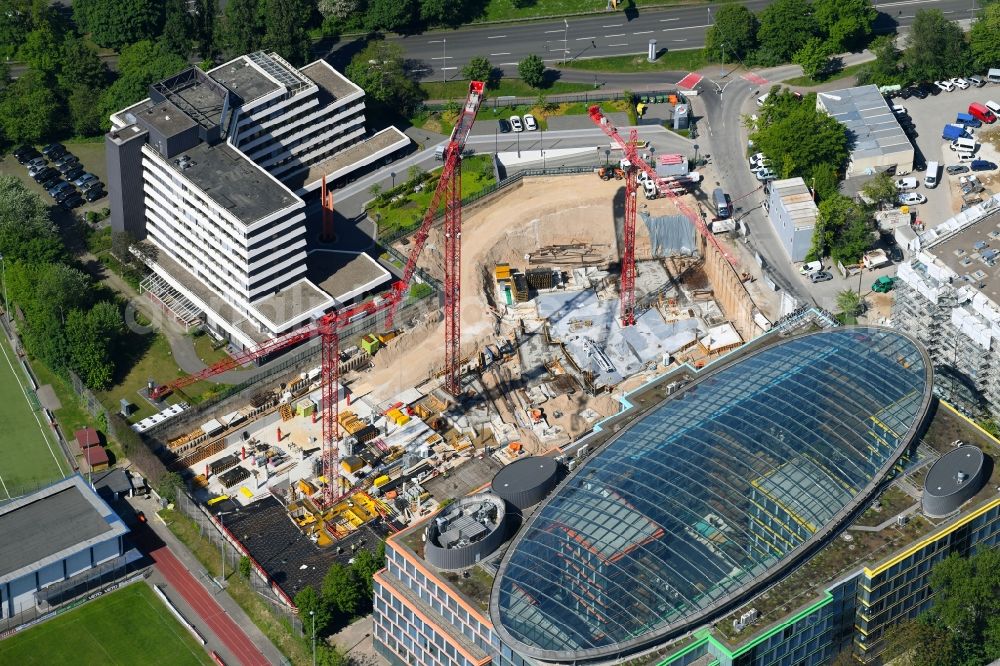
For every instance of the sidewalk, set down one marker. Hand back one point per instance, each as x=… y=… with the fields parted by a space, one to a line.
x=224 y=625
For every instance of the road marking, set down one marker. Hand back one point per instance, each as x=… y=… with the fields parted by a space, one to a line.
x=678 y=40
x=499 y=54
x=447 y=68
x=442 y=58
x=709 y=25
x=549 y=32
x=666 y=20
x=507 y=64
x=644 y=32
x=622 y=44
x=610 y=36
x=496 y=36
x=613 y=25
x=580 y=39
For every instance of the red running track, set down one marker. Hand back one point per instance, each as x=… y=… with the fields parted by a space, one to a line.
x=210 y=612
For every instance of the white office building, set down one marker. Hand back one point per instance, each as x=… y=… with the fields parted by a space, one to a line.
x=212 y=169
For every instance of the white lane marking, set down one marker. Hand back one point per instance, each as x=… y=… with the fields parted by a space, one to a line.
x=506 y=64
x=447 y=68
x=580 y=39
x=678 y=40
x=499 y=54
x=643 y=32
x=707 y=25
x=622 y=44
x=496 y=36
x=613 y=25
x=610 y=36
x=666 y=20
x=549 y=32
x=442 y=58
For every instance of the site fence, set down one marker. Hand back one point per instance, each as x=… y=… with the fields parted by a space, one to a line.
x=231 y=551
x=506 y=101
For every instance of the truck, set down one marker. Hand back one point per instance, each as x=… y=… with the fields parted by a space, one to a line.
x=952 y=132
x=875 y=259
x=884 y=284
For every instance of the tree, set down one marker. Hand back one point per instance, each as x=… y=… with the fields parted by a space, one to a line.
x=285 y=24
x=785 y=27
x=814 y=58
x=984 y=38
x=481 y=69
x=169 y=485
x=246 y=568
x=839 y=220
x=849 y=303
x=935 y=47
x=532 y=71
x=177 y=27
x=85 y=110
x=442 y=12
x=391 y=15
x=342 y=10
x=30 y=109
x=15 y=23
x=92 y=336
x=380 y=71
x=342 y=590
x=244 y=26
x=884 y=70
x=881 y=190
x=81 y=66
x=365 y=564
x=846 y=24
x=27 y=233
x=307 y=601
x=139 y=65
x=42 y=49
x=734 y=32
x=205 y=25
x=117 y=23
x=967 y=604
x=825 y=180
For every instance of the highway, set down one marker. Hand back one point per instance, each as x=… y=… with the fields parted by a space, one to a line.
x=443 y=53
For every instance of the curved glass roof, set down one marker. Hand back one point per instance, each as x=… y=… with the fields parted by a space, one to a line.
x=706 y=497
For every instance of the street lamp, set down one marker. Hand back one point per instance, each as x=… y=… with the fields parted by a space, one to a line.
x=566 y=37
x=696 y=155
x=392 y=174
x=444 y=60
x=312 y=614
x=541 y=145
x=722 y=65
x=3 y=276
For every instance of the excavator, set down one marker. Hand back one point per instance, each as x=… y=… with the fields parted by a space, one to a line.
x=609 y=172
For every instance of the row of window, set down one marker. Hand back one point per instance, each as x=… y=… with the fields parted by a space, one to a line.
x=407 y=628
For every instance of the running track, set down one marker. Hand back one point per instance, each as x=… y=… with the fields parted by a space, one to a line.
x=207 y=608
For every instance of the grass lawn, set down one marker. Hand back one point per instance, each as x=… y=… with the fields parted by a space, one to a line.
x=688 y=60
x=276 y=629
x=411 y=213
x=203 y=345
x=28 y=448
x=844 y=73
x=505 y=10
x=457 y=90
x=114 y=629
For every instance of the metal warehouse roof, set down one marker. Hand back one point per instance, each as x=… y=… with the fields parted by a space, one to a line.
x=871 y=124
x=712 y=495
x=797 y=201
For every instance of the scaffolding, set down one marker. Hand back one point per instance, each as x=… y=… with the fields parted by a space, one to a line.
x=171 y=301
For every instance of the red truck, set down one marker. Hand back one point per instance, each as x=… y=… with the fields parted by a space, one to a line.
x=980 y=112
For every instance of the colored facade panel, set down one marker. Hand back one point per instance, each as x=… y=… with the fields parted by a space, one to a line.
x=711 y=493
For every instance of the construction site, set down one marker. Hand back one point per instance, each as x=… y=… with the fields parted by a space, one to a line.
x=574 y=291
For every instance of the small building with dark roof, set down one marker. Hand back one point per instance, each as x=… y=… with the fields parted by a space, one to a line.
x=86 y=438
x=52 y=538
x=96 y=458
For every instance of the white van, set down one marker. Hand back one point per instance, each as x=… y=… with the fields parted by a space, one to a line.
x=993 y=106
x=993 y=76
x=931 y=177
x=810 y=267
x=964 y=144
x=649 y=188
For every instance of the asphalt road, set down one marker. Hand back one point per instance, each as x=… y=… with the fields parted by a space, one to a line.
x=442 y=54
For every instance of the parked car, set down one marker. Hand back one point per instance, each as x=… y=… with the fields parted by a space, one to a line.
x=762 y=99
x=35 y=164
x=966 y=157
x=54 y=150
x=896 y=254
x=946 y=86
x=982 y=165
x=930 y=89
x=764 y=174
x=51 y=181
x=529 y=122
x=504 y=126
x=86 y=178
x=820 y=276
x=66 y=159
x=918 y=92
x=61 y=186
x=25 y=154
x=44 y=174
x=977 y=81
x=905 y=93
x=66 y=194
x=960 y=83
x=94 y=193
x=75 y=172
x=956 y=169
x=906 y=184
x=66 y=167
x=515 y=122
x=810 y=267
x=911 y=199
x=757 y=160
x=72 y=202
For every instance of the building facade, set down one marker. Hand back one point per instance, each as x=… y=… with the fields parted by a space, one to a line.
x=211 y=170
x=793 y=213
x=55 y=539
x=878 y=142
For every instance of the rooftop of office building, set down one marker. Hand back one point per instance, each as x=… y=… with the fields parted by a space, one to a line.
x=329 y=80
x=871 y=124
x=234 y=182
x=257 y=74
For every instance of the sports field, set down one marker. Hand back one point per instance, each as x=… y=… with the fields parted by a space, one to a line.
x=29 y=454
x=130 y=626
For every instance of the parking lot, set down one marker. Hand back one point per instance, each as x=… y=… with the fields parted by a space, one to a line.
x=91 y=156
x=929 y=117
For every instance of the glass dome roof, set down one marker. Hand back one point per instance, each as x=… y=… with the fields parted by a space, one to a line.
x=711 y=494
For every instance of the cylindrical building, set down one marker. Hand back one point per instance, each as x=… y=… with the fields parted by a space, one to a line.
x=526 y=482
x=952 y=480
x=465 y=532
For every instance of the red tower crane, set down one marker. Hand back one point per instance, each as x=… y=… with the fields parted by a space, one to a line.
x=634 y=163
x=326 y=203
x=327 y=327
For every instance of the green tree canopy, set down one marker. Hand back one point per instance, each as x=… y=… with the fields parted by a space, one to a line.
x=139 y=65
x=481 y=69
x=735 y=28
x=825 y=180
x=16 y=21
x=206 y=28
x=935 y=47
x=881 y=190
x=313 y=606
x=984 y=38
x=391 y=15
x=27 y=233
x=885 y=69
x=177 y=27
x=30 y=109
x=342 y=589
x=785 y=27
x=532 y=71
x=365 y=564
x=285 y=23
x=848 y=302
x=117 y=23
x=243 y=28
x=442 y=12
x=169 y=486
x=814 y=58
x=847 y=24
x=81 y=66
x=379 y=70
x=42 y=49
x=92 y=336
x=842 y=230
